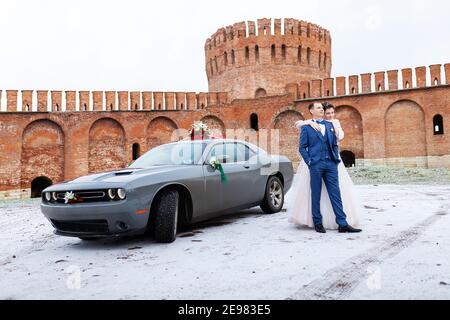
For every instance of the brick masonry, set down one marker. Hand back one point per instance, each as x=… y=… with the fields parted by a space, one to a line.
x=266 y=56
x=389 y=117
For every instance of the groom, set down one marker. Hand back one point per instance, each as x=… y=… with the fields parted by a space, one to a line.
x=321 y=153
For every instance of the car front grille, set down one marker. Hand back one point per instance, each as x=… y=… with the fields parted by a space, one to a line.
x=85 y=196
x=88 y=226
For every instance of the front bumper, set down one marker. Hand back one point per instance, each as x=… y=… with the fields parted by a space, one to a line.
x=97 y=219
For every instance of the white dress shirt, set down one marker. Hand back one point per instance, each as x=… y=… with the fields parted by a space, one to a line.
x=322 y=126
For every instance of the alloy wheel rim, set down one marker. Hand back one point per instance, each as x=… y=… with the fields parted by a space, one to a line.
x=276 y=194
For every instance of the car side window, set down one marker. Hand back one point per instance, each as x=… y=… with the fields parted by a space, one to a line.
x=249 y=153
x=217 y=150
x=231 y=152
x=226 y=151
x=238 y=152
x=242 y=152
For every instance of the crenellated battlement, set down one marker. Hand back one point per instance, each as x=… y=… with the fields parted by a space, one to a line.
x=262 y=49
x=367 y=83
x=77 y=101
x=268 y=41
x=286 y=27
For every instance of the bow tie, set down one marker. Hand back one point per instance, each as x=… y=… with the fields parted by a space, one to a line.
x=319 y=121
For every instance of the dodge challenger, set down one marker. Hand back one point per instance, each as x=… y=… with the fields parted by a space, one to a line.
x=174 y=184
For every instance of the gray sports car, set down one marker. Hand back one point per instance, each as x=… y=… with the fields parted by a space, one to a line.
x=171 y=185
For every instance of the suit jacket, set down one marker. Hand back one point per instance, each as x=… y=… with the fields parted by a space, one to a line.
x=311 y=140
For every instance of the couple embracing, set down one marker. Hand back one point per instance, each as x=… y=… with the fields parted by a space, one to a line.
x=324 y=195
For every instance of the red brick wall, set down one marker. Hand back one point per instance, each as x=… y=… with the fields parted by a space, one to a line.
x=159 y=131
x=394 y=123
x=42 y=152
x=352 y=125
x=106 y=146
x=66 y=145
x=405 y=138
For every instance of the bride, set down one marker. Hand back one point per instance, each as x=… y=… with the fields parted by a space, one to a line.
x=301 y=209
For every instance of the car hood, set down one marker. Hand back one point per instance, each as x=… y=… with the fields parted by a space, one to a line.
x=117 y=177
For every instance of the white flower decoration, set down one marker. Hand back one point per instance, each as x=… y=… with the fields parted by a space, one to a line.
x=214 y=162
x=69 y=196
x=198 y=126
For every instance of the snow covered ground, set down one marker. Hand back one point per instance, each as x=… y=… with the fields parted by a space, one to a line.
x=403 y=253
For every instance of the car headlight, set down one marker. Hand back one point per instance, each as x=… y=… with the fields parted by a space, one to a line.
x=48 y=196
x=121 y=193
x=54 y=196
x=111 y=193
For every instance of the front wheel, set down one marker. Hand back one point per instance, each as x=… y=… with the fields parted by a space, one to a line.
x=274 y=196
x=166 y=217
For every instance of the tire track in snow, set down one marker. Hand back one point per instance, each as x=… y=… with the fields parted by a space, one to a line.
x=339 y=282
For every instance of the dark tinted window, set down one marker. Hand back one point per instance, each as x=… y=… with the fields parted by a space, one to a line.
x=217 y=150
x=231 y=152
x=238 y=152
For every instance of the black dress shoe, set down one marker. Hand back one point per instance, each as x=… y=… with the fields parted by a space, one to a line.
x=320 y=229
x=348 y=229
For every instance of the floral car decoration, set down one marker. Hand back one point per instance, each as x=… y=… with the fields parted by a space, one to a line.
x=70 y=197
x=218 y=166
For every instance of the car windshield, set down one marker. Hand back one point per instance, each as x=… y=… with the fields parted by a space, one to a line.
x=181 y=153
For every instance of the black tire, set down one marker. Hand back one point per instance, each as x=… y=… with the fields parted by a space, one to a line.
x=166 y=218
x=274 y=196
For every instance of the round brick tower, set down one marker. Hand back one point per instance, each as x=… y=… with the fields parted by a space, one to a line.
x=251 y=60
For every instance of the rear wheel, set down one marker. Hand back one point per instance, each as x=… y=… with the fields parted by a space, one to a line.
x=274 y=196
x=166 y=216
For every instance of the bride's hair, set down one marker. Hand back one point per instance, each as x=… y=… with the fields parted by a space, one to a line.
x=327 y=105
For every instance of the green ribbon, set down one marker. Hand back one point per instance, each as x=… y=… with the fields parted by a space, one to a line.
x=223 y=177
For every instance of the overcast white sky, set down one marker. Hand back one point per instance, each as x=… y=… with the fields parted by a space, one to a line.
x=145 y=45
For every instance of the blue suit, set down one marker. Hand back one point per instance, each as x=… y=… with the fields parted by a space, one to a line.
x=321 y=154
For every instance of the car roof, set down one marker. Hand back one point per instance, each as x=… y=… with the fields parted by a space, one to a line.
x=210 y=141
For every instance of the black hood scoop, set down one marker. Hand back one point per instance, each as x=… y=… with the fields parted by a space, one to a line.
x=124 y=173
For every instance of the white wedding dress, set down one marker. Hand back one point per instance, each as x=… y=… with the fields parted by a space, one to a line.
x=301 y=208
